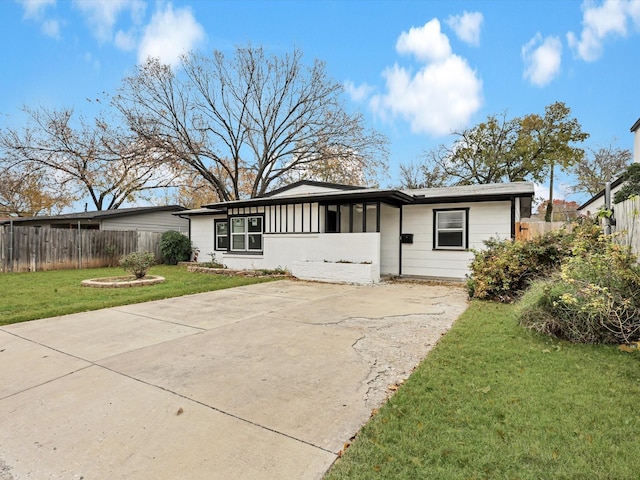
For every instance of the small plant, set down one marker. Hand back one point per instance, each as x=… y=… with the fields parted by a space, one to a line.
x=175 y=247
x=213 y=263
x=112 y=252
x=138 y=263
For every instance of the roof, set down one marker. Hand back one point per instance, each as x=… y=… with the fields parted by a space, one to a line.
x=635 y=126
x=491 y=192
x=95 y=215
x=617 y=182
x=465 y=193
x=313 y=183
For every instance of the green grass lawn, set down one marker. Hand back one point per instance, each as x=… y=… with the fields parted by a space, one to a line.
x=27 y=296
x=495 y=401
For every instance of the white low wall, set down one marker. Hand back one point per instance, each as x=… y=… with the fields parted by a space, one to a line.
x=360 y=273
x=282 y=250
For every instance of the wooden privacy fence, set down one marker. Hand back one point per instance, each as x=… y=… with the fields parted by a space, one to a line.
x=528 y=231
x=24 y=249
x=627 y=223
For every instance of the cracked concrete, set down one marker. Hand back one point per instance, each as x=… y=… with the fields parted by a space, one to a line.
x=260 y=382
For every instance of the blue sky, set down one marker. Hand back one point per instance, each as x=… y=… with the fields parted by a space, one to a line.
x=416 y=69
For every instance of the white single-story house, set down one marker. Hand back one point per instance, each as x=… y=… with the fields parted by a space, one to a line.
x=591 y=206
x=149 y=219
x=332 y=232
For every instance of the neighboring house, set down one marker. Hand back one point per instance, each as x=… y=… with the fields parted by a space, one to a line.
x=591 y=206
x=150 y=219
x=316 y=230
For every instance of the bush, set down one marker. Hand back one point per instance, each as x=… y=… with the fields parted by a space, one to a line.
x=595 y=298
x=175 y=247
x=505 y=268
x=138 y=263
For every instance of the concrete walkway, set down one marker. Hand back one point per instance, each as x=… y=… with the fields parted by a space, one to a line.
x=260 y=382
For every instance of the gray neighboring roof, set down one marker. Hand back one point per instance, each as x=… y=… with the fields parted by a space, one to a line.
x=95 y=215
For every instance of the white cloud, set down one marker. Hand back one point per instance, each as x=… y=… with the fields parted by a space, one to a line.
x=51 y=28
x=542 y=58
x=467 y=26
x=170 y=34
x=440 y=96
x=125 y=40
x=426 y=42
x=102 y=15
x=34 y=9
x=357 y=93
x=600 y=22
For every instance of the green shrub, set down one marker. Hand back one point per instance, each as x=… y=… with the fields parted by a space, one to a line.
x=505 y=268
x=595 y=298
x=175 y=247
x=138 y=263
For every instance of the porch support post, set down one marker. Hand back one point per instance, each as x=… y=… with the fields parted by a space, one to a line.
x=400 y=244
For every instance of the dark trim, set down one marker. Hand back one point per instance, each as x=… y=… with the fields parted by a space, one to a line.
x=400 y=243
x=379 y=207
x=351 y=218
x=466 y=229
x=635 y=126
x=215 y=235
x=513 y=217
x=246 y=233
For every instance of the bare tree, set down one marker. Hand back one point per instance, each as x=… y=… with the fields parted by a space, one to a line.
x=94 y=159
x=243 y=123
x=414 y=175
x=26 y=191
x=598 y=167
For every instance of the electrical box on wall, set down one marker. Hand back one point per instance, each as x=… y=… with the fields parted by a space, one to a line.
x=406 y=238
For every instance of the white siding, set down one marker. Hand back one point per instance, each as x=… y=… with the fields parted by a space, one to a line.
x=305 y=189
x=389 y=240
x=282 y=249
x=148 y=222
x=202 y=235
x=486 y=220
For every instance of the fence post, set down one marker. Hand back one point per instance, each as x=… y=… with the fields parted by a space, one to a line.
x=79 y=247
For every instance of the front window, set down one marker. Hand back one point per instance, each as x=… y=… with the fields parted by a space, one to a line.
x=222 y=235
x=450 y=229
x=246 y=234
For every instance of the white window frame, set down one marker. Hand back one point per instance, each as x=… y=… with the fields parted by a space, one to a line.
x=245 y=233
x=463 y=230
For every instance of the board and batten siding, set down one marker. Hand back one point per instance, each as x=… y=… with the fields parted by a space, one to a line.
x=486 y=220
x=147 y=222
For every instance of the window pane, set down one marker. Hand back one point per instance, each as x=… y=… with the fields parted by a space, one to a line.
x=223 y=242
x=255 y=241
x=237 y=225
x=221 y=228
x=238 y=242
x=450 y=220
x=450 y=239
x=255 y=224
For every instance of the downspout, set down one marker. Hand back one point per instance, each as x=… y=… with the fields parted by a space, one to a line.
x=608 y=221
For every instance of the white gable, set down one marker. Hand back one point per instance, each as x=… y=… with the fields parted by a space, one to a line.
x=305 y=189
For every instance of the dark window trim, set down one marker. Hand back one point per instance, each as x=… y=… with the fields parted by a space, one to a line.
x=466 y=229
x=246 y=233
x=215 y=234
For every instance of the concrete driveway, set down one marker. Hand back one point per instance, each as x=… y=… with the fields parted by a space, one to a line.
x=260 y=382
